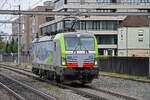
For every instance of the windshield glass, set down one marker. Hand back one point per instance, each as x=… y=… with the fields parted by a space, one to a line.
x=87 y=44
x=79 y=44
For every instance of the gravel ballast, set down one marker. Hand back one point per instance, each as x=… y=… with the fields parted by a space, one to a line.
x=4 y=95
x=126 y=87
x=58 y=93
x=130 y=88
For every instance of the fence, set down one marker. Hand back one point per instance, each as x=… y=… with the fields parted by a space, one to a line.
x=25 y=57
x=138 y=66
x=125 y=65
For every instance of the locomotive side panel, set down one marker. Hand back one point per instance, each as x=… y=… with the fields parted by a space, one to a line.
x=42 y=53
x=57 y=57
x=57 y=53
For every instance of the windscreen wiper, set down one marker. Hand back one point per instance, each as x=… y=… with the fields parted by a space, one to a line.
x=85 y=49
x=76 y=48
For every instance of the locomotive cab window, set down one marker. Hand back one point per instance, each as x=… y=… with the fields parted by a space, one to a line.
x=79 y=44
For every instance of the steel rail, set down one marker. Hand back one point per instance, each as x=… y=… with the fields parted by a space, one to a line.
x=114 y=93
x=142 y=81
x=18 y=97
x=77 y=91
x=25 y=12
x=35 y=91
x=137 y=80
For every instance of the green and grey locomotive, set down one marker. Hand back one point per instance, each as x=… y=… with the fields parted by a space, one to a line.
x=68 y=57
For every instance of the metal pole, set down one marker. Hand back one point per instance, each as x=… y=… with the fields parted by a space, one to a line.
x=149 y=47
x=19 y=29
x=127 y=40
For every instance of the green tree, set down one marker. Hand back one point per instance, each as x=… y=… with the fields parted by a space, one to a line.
x=12 y=45
x=15 y=47
x=1 y=38
x=3 y=47
x=9 y=47
x=6 y=49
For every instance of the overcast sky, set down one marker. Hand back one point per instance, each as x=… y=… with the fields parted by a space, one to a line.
x=13 y=5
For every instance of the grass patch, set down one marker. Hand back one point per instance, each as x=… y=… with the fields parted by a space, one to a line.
x=29 y=80
x=12 y=63
x=138 y=91
x=26 y=64
x=49 y=87
x=9 y=73
x=22 y=65
x=142 y=78
x=8 y=63
x=143 y=95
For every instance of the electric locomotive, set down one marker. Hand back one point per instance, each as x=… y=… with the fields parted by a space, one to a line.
x=68 y=57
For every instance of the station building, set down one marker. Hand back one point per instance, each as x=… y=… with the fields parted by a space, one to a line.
x=105 y=28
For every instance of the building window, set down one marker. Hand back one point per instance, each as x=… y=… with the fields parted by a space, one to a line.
x=101 y=51
x=68 y=24
x=121 y=37
x=144 y=1
x=77 y=26
x=49 y=19
x=83 y=25
x=106 y=39
x=121 y=34
x=47 y=10
x=23 y=25
x=106 y=1
x=140 y=35
x=59 y=3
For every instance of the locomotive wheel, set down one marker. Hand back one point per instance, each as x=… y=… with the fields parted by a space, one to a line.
x=58 y=78
x=55 y=78
x=49 y=75
x=35 y=71
x=83 y=83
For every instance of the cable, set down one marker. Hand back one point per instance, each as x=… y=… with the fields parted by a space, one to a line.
x=10 y=6
x=2 y=6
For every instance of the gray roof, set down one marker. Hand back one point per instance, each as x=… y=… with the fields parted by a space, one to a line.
x=74 y=34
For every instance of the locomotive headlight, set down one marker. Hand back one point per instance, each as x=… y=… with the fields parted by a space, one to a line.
x=96 y=63
x=63 y=61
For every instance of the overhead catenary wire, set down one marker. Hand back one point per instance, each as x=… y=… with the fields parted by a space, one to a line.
x=3 y=4
x=25 y=12
x=1 y=7
x=7 y=2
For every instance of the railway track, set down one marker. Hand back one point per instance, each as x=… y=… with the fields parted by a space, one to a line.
x=113 y=93
x=11 y=92
x=23 y=91
x=77 y=91
x=142 y=81
x=137 y=80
